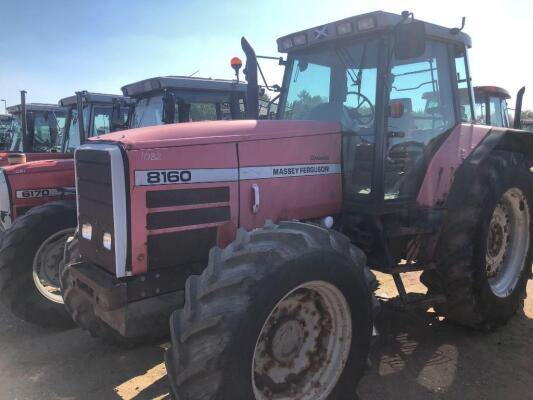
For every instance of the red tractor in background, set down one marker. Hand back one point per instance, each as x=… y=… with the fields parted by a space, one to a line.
x=37 y=131
x=31 y=249
x=38 y=212
x=260 y=233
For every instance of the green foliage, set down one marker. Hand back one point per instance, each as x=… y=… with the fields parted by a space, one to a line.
x=300 y=108
x=527 y=114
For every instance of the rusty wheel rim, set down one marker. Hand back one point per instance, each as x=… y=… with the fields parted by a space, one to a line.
x=304 y=344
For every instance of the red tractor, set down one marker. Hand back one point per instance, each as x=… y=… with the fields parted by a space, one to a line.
x=260 y=234
x=38 y=212
x=39 y=196
x=36 y=131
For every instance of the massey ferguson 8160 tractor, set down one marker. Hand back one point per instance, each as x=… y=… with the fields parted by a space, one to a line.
x=259 y=233
x=32 y=248
x=39 y=196
x=171 y=99
x=37 y=132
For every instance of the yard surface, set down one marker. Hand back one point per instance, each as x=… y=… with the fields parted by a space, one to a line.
x=415 y=357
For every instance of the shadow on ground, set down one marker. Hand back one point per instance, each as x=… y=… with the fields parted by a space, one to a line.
x=417 y=357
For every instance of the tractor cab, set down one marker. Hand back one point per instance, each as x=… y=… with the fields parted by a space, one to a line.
x=491 y=106
x=374 y=74
x=92 y=114
x=173 y=99
x=41 y=131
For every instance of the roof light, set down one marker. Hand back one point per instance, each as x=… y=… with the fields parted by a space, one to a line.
x=343 y=28
x=287 y=44
x=300 y=39
x=365 y=24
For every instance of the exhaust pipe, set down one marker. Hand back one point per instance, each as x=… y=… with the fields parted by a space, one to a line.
x=252 y=87
x=517 y=124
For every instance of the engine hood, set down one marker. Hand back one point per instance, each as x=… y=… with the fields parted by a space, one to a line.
x=39 y=166
x=194 y=133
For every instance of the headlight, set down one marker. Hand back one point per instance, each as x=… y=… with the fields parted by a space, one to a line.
x=107 y=241
x=87 y=231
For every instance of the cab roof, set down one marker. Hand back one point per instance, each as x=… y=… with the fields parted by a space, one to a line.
x=492 y=91
x=90 y=97
x=184 y=83
x=359 y=26
x=17 y=109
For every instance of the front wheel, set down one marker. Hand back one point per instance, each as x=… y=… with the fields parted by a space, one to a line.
x=30 y=254
x=284 y=312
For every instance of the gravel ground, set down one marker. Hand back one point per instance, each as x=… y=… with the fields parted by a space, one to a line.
x=415 y=357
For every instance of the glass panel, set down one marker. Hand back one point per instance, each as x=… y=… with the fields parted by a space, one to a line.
x=422 y=89
x=47 y=131
x=496 y=117
x=466 y=113
x=481 y=114
x=73 y=141
x=148 y=112
x=101 y=121
x=338 y=83
x=202 y=112
x=15 y=143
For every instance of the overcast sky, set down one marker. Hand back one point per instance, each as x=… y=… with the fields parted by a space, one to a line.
x=52 y=48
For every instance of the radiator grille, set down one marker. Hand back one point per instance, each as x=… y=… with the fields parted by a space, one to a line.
x=95 y=205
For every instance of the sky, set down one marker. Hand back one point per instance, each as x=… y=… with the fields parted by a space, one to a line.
x=53 y=48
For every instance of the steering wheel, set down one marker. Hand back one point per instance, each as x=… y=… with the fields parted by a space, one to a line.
x=362 y=119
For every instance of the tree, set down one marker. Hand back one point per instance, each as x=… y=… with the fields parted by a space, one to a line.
x=301 y=108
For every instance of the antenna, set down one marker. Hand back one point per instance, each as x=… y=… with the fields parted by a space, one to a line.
x=194 y=73
x=455 y=31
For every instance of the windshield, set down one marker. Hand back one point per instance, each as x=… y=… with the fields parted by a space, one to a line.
x=148 y=112
x=337 y=83
x=48 y=129
x=190 y=107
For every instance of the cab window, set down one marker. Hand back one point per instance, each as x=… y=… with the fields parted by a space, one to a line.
x=463 y=84
x=421 y=88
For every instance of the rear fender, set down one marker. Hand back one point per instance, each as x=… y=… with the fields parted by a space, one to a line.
x=506 y=139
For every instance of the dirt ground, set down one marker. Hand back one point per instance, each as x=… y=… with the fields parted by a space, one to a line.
x=415 y=357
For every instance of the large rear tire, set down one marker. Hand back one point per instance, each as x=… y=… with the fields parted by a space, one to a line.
x=485 y=251
x=283 y=311
x=30 y=253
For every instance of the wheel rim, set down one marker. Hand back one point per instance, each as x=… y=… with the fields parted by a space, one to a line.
x=304 y=344
x=507 y=242
x=46 y=265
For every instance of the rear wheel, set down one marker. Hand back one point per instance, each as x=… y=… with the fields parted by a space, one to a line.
x=284 y=312
x=30 y=254
x=485 y=252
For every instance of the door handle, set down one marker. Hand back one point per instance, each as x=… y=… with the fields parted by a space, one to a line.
x=255 y=206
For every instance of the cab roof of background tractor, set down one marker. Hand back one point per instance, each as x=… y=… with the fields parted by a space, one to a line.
x=17 y=109
x=182 y=83
x=360 y=26
x=90 y=97
x=491 y=91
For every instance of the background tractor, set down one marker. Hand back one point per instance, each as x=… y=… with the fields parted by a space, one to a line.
x=37 y=132
x=260 y=233
x=31 y=249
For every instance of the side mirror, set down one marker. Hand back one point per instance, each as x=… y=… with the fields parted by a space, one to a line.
x=396 y=109
x=410 y=40
x=169 y=107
